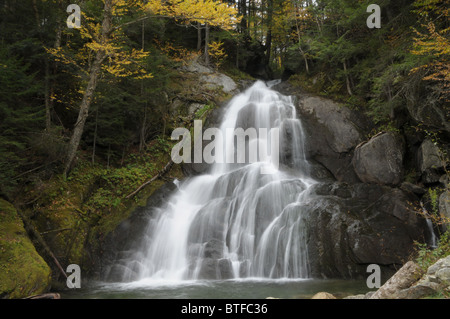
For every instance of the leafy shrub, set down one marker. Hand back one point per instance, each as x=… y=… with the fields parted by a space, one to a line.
x=427 y=256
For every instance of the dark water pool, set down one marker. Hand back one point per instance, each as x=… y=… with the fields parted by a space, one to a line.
x=218 y=289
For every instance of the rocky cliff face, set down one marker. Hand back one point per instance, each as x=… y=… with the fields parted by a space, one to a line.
x=369 y=215
x=353 y=225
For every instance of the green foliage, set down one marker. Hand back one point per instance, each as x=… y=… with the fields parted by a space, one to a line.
x=427 y=256
x=434 y=200
x=110 y=186
x=347 y=60
x=18 y=116
x=200 y=114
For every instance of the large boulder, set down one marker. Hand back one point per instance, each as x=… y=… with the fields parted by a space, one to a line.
x=219 y=81
x=439 y=273
x=430 y=162
x=337 y=120
x=208 y=87
x=213 y=265
x=380 y=160
x=405 y=284
x=23 y=272
x=412 y=282
x=323 y=295
x=332 y=133
x=351 y=226
x=209 y=78
x=403 y=279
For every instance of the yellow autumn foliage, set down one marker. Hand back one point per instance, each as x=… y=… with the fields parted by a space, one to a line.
x=217 y=52
x=124 y=62
x=213 y=12
x=434 y=43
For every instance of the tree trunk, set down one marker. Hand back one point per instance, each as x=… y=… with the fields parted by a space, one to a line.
x=300 y=46
x=347 y=80
x=237 y=54
x=391 y=105
x=269 y=31
x=90 y=89
x=143 y=133
x=48 y=118
x=53 y=68
x=243 y=12
x=206 y=43
x=199 y=36
x=84 y=111
x=94 y=143
x=144 y=120
x=108 y=156
x=47 y=70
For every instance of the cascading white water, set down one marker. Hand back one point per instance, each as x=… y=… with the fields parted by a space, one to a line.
x=433 y=237
x=236 y=222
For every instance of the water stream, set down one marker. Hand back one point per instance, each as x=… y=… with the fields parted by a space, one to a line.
x=235 y=221
x=234 y=232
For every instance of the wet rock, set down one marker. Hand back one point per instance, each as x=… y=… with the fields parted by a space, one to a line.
x=319 y=172
x=332 y=132
x=215 y=269
x=208 y=269
x=225 y=269
x=214 y=249
x=380 y=160
x=208 y=226
x=351 y=226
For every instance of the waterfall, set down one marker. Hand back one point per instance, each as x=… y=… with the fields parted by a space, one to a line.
x=433 y=237
x=236 y=222
x=433 y=240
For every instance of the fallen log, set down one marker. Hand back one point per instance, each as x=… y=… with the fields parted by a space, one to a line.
x=160 y=174
x=34 y=233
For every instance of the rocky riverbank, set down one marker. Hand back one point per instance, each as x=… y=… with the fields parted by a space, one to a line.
x=410 y=282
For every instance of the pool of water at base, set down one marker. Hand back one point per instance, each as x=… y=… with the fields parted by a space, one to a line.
x=217 y=289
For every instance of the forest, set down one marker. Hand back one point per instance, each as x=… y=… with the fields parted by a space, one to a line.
x=105 y=95
x=89 y=110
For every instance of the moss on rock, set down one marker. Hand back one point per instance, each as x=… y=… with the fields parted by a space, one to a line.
x=23 y=272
